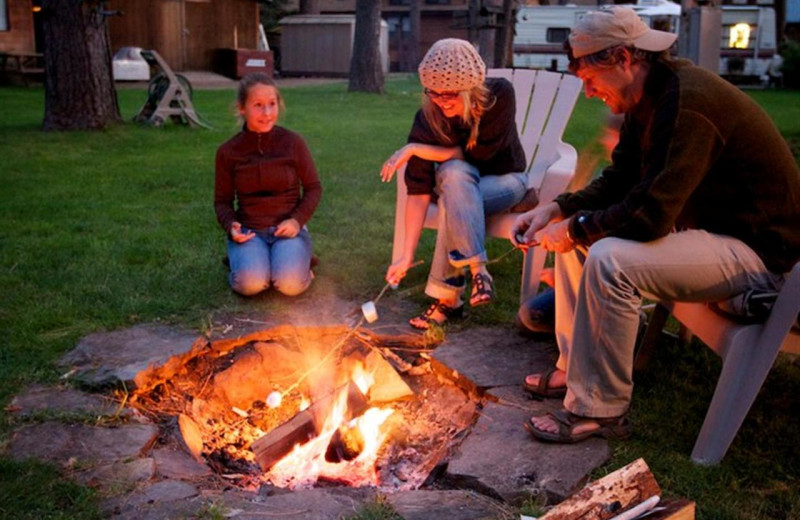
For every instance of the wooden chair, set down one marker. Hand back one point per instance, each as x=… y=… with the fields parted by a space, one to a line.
x=544 y=104
x=747 y=351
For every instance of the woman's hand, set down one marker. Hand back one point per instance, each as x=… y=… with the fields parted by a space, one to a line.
x=237 y=235
x=289 y=228
x=397 y=271
x=393 y=163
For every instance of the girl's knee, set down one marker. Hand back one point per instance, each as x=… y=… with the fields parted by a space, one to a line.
x=248 y=284
x=291 y=286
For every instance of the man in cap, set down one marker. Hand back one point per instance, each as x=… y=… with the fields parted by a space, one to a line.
x=701 y=202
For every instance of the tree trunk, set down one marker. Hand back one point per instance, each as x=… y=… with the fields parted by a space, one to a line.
x=79 y=91
x=414 y=32
x=503 y=50
x=366 y=72
x=309 y=7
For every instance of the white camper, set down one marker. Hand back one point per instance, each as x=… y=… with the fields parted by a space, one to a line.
x=746 y=47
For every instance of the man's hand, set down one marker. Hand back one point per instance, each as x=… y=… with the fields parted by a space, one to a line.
x=525 y=228
x=555 y=237
x=289 y=228
x=237 y=235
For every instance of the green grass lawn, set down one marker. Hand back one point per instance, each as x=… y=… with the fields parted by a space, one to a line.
x=108 y=229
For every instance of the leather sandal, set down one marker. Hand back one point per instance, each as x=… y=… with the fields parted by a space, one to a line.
x=612 y=428
x=482 y=290
x=424 y=320
x=543 y=390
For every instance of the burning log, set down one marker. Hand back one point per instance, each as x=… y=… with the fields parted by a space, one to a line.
x=304 y=426
x=346 y=444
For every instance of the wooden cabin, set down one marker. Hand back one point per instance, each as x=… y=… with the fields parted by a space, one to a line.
x=188 y=34
x=17 y=35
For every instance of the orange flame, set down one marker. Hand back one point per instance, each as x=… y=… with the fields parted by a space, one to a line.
x=306 y=463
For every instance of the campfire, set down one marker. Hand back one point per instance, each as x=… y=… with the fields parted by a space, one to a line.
x=299 y=407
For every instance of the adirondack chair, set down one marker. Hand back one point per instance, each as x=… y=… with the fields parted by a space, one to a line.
x=747 y=351
x=544 y=103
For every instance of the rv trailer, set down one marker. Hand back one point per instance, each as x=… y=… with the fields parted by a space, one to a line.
x=747 y=34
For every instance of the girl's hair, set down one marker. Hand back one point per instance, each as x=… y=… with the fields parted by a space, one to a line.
x=253 y=79
x=476 y=100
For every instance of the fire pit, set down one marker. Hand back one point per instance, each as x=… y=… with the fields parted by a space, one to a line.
x=296 y=407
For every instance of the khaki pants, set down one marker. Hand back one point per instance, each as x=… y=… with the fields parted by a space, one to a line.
x=599 y=293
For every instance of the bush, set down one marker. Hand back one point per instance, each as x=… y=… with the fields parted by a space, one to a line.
x=790 y=50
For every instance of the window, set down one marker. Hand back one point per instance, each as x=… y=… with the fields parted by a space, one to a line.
x=557 y=34
x=3 y=15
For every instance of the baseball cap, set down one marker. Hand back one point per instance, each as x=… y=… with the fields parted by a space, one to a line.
x=616 y=25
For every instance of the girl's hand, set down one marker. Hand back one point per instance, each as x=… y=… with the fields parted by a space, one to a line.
x=289 y=228
x=237 y=235
x=397 y=271
x=393 y=163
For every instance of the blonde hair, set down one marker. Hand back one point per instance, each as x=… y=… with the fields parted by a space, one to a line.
x=476 y=101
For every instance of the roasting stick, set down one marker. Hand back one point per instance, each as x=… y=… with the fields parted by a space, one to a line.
x=339 y=344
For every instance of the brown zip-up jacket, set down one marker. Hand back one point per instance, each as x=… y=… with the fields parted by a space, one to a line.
x=695 y=153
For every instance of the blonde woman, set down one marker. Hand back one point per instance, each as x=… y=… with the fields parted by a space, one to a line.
x=464 y=151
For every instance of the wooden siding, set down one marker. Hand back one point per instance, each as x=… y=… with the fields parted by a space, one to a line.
x=185 y=32
x=19 y=37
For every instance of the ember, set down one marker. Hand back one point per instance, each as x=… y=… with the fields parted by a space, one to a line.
x=294 y=406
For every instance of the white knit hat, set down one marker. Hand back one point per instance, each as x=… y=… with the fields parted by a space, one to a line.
x=616 y=25
x=452 y=64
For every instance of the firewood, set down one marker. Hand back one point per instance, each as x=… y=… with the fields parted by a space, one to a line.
x=304 y=426
x=674 y=510
x=609 y=496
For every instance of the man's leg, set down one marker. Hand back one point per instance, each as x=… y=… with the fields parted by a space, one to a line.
x=687 y=266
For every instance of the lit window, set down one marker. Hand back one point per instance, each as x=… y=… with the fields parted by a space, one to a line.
x=740 y=36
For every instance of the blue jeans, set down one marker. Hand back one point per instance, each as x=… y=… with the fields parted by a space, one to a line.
x=465 y=198
x=266 y=259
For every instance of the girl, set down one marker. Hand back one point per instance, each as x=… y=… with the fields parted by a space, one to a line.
x=265 y=190
x=464 y=149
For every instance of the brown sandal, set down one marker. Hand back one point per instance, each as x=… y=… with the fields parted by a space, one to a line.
x=543 y=390
x=482 y=290
x=424 y=320
x=612 y=428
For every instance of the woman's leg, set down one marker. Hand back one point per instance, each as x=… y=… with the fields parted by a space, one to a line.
x=291 y=263
x=464 y=198
x=250 y=266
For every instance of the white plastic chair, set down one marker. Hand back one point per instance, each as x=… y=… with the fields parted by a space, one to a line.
x=544 y=104
x=747 y=351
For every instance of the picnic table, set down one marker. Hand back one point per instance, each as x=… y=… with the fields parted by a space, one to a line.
x=25 y=65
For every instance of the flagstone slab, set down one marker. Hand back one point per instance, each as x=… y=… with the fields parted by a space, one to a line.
x=164 y=499
x=107 y=358
x=63 y=400
x=500 y=456
x=120 y=476
x=446 y=505
x=60 y=443
x=178 y=465
x=494 y=356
